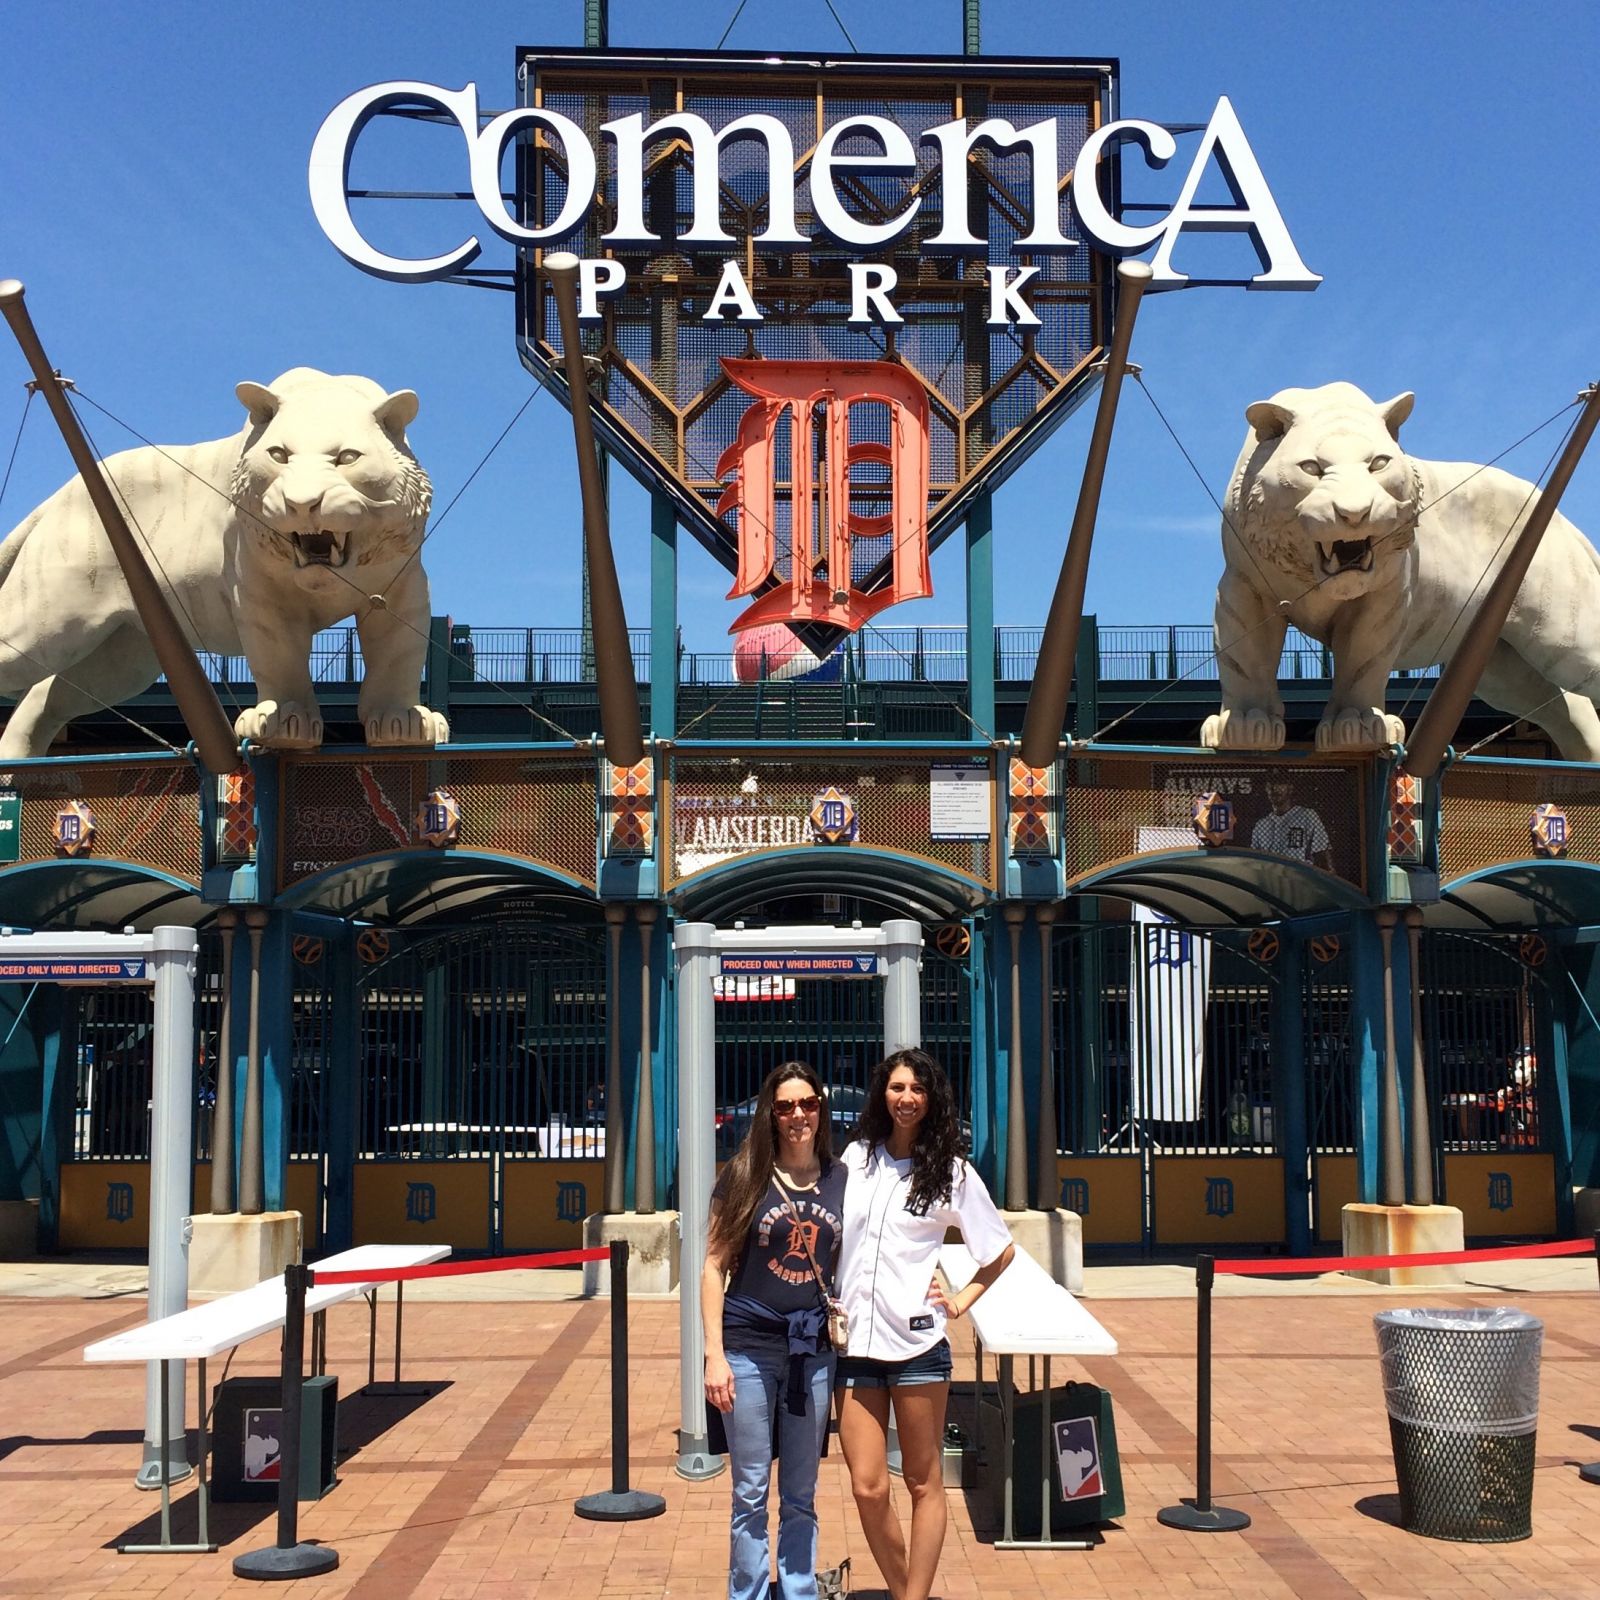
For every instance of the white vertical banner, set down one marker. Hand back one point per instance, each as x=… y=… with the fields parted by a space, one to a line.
x=1169 y=982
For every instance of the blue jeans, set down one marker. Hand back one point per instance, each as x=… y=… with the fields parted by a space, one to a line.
x=759 y=1381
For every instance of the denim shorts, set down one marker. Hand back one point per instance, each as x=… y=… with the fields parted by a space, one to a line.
x=929 y=1366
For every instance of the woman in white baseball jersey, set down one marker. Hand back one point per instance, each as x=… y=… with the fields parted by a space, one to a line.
x=908 y=1182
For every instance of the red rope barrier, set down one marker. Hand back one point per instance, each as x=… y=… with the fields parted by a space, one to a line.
x=1429 y=1258
x=456 y=1269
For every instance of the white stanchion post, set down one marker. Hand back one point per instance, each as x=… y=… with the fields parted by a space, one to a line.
x=172 y=958
x=697 y=1167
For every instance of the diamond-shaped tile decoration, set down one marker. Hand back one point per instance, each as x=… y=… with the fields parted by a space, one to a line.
x=633 y=823
x=1405 y=817
x=236 y=792
x=833 y=818
x=1032 y=807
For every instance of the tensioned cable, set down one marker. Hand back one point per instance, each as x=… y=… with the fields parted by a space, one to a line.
x=11 y=460
x=48 y=671
x=133 y=522
x=842 y=29
x=245 y=511
x=1527 y=499
x=738 y=11
x=1239 y=638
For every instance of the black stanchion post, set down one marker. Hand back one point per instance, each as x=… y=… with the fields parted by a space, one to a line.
x=1590 y=1473
x=289 y=1558
x=1199 y=1515
x=620 y=1503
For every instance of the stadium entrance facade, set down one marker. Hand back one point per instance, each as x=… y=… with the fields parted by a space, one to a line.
x=1176 y=987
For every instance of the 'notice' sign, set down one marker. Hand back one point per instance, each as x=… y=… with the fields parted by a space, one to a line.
x=818 y=964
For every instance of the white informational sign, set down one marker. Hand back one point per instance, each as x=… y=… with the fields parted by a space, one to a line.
x=1170 y=980
x=960 y=802
x=763 y=988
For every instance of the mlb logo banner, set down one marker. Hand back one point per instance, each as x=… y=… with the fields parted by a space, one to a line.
x=1078 y=1465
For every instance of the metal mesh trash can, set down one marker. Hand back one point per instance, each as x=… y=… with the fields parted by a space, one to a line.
x=1462 y=1391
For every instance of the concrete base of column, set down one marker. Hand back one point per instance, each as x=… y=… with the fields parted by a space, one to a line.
x=19 y=1230
x=652 y=1251
x=1403 y=1231
x=230 y=1251
x=1054 y=1239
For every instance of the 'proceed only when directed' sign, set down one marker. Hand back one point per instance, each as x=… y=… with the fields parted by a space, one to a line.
x=811 y=964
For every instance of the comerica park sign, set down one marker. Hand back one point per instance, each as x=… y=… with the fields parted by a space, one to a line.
x=827 y=303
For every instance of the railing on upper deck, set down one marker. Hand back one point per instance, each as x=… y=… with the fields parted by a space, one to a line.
x=936 y=654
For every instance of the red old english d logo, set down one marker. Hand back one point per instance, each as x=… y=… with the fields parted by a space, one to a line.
x=869 y=414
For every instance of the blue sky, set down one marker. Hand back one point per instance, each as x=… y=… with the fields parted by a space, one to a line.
x=1431 y=161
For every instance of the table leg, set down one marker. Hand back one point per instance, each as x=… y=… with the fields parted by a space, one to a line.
x=399 y=1312
x=372 y=1336
x=1008 y=1526
x=1046 y=1444
x=202 y=1448
x=166 y=1457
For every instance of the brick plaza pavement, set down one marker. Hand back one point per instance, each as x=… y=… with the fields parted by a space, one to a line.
x=467 y=1493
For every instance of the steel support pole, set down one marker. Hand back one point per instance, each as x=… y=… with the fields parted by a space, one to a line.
x=614 y=674
x=697 y=1166
x=252 y=1158
x=1391 y=1171
x=1442 y=712
x=223 y=1167
x=902 y=985
x=172 y=958
x=1058 y=647
x=192 y=690
x=1047 y=1187
x=1421 y=1123
x=1016 y=1186
x=616 y=1140
x=644 y=1122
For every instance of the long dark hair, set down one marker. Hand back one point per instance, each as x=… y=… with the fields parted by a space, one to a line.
x=748 y=1174
x=940 y=1143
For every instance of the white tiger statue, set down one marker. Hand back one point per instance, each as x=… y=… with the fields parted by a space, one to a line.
x=1331 y=526
x=260 y=540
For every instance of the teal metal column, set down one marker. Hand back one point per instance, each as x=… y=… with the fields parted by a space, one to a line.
x=984 y=1025
x=1366 y=1046
x=1580 y=1005
x=1553 y=1090
x=345 y=1091
x=436 y=1034
x=277 y=1054
x=980 y=613
x=22 y=1103
x=1286 y=1024
x=663 y=617
x=54 y=1013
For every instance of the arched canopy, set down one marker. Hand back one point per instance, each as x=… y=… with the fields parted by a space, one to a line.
x=95 y=894
x=1222 y=888
x=895 y=884
x=1518 y=896
x=402 y=889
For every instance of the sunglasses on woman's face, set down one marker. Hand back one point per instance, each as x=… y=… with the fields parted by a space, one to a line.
x=791 y=1108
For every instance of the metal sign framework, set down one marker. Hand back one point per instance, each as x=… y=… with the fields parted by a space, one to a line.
x=665 y=404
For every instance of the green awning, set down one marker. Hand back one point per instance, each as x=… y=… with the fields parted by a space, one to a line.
x=1222 y=888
